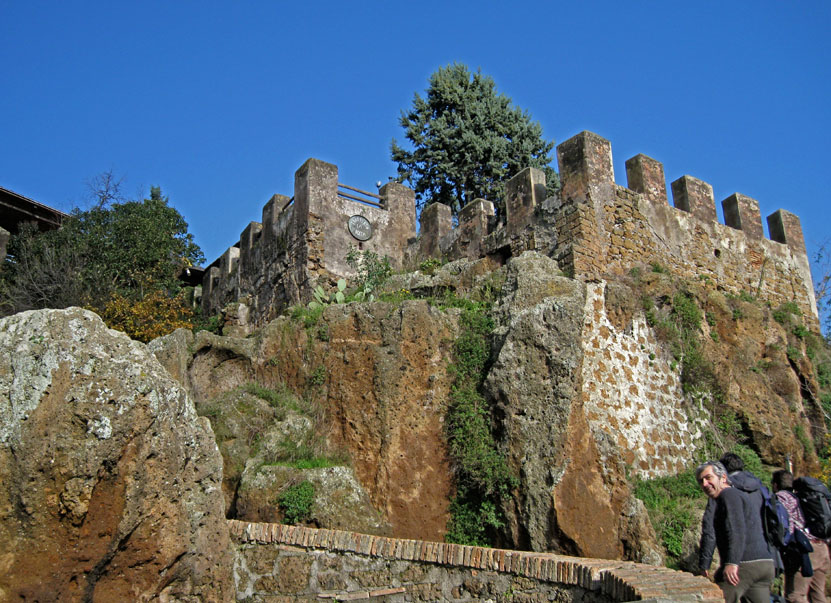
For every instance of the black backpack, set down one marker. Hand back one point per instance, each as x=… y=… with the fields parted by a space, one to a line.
x=815 y=500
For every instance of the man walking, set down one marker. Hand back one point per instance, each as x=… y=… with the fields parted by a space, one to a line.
x=746 y=570
x=746 y=482
x=800 y=588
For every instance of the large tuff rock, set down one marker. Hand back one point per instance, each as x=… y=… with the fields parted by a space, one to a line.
x=376 y=375
x=386 y=394
x=111 y=483
x=573 y=495
x=584 y=389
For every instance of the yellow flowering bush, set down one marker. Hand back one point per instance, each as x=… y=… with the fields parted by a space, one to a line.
x=156 y=314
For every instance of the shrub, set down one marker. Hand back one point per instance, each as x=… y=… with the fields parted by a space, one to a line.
x=482 y=476
x=156 y=314
x=429 y=266
x=372 y=270
x=671 y=502
x=686 y=311
x=318 y=376
x=470 y=519
x=212 y=324
x=802 y=437
x=296 y=502
x=784 y=312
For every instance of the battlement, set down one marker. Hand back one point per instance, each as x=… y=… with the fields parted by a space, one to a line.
x=304 y=239
x=587 y=158
x=638 y=224
x=595 y=228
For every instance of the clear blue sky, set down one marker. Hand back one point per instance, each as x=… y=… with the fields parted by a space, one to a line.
x=220 y=102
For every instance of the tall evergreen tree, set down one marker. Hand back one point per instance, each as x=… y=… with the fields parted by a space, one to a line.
x=467 y=140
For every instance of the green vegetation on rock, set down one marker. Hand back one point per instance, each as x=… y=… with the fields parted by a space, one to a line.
x=482 y=477
x=296 y=502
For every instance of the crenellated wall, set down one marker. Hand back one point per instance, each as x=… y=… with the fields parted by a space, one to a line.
x=607 y=229
x=303 y=241
x=594 y=228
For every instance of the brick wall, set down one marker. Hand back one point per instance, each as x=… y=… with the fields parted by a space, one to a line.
x=296 y=563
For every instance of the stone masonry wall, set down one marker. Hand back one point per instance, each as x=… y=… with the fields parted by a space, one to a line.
x=596 y=228
x=304 y=564
x=303 y=241
x=632 y=394
x=613 y=229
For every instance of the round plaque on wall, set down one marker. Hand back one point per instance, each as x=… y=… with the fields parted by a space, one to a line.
x=359 y=227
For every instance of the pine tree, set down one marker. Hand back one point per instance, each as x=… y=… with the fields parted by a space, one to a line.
x=467 y=141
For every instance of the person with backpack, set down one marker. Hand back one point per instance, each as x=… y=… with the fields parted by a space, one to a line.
x=804 y=579
x=746 y=571
x=758 y=496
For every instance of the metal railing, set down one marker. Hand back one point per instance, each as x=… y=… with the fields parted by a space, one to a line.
x=366 y=198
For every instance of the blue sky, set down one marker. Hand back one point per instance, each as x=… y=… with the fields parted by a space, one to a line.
x=220 y=102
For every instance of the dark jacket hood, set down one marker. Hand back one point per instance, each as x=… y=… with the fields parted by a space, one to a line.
x=745 y=481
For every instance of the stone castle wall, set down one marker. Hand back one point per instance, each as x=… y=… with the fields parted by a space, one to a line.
x=606 y=229
x=595 y=228
x=301 y=564
x=303 y=241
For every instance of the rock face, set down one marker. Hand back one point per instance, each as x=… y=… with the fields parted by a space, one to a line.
x=566 y=472
x=376 y=375
x=340 y=502
x=585 y=390
x=111 y=483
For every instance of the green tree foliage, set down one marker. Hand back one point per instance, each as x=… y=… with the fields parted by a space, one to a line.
x=121 y=251
x=467 y=141
x=822 y=288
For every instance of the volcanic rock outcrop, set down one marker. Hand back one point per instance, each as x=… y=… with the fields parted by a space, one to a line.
x=111 y=483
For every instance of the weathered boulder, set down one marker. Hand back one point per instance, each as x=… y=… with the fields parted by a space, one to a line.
x=339 y=502
x=111 y=483
x=376 y=375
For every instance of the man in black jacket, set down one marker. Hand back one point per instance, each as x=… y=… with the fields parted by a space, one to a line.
x=744 y=481
x=746 y=571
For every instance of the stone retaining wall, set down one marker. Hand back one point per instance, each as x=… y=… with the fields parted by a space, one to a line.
x=286 y=563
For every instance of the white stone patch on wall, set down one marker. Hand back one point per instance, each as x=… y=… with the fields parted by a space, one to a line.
x=100 y=427
x=632 y=394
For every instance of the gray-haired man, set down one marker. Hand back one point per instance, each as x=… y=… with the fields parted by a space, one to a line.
x=746 y=570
